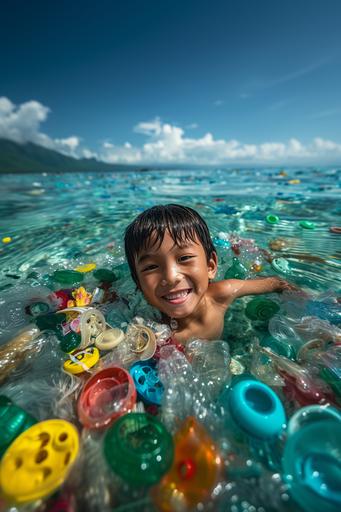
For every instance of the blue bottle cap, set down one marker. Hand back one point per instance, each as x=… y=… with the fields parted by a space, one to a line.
x=256 y=409
x=147 y=382
x=312 y=466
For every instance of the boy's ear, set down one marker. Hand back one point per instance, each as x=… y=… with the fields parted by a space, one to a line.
x=212 y=265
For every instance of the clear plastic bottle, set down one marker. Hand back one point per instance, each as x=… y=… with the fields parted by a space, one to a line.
x=210 y=361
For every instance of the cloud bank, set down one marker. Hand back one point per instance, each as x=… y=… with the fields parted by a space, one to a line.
x=164 y=143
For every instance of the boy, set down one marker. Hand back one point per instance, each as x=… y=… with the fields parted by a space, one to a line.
x=172 y=260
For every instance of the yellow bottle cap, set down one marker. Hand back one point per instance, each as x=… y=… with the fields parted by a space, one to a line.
x=88 y=267
x=81 y=360
x=7 y=239
x=38 y=461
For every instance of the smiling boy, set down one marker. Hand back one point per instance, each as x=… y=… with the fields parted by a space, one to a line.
x=172 y=260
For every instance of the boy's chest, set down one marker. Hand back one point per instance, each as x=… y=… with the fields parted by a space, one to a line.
x=210 y=327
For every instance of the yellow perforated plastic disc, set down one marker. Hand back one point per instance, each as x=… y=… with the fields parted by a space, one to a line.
x=81 y=360
x=38 y=461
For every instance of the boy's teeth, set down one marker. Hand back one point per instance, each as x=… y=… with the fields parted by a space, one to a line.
x=177 y=295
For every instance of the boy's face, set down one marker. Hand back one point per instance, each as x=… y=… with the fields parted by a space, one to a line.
x=175 y=279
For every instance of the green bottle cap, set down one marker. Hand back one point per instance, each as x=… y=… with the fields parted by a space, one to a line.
x=51 y=321
x=261 y=309
x=281 y=265
x=306 y=224
x=104 y=275
x=38 y=308
x=236 y=271
x=139 y=449
x=69 y=277
x=13 y=421
x=69 y=342
x=272 y=219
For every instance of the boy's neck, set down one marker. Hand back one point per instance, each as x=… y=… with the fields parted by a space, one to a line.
x=180 y=324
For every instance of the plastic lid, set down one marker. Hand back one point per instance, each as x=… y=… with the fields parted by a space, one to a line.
x=147 y=382
x=139 y=449
x=81 y=360
x=13 y=421
x=69 y=342
x=104 y=275
x=261 y=309
x=307 y=224
x=272 y=219
x=256 y=409
x=92 y=325
x=87 y=267
x=105 y=397
x=110 y=339
x=281 y=265
x=312 y=465
x=70 y=277
x=141 y=340
x=38 y=461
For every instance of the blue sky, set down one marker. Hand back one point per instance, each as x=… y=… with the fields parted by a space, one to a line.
x=170 y=81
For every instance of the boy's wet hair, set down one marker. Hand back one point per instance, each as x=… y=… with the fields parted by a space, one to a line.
x=182 y=223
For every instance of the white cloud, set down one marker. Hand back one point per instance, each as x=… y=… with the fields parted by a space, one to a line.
x=166 y=143
x=21 y=123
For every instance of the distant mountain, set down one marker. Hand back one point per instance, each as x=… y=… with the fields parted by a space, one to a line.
x=21 y=158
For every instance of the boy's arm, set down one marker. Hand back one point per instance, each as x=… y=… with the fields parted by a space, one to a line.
x=231 y=289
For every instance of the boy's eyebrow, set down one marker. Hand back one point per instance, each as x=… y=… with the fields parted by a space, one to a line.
x=145 y=256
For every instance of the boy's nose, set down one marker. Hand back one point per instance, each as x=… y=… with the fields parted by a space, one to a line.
x=171 y=276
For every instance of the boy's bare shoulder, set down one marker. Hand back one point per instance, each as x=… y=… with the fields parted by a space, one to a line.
x=222 y=292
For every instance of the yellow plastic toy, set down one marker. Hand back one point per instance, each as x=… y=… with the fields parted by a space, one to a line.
x=81 y=360
x=38 y=461
x=81 y=296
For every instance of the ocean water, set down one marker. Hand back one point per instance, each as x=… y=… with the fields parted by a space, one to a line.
x=61 y=221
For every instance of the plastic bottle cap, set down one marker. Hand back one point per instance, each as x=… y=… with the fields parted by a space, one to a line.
x=6 y=240
x=38 y=461
x=13 y=421
x=70 y=342
x=70 y=277
x=147 y=382
x=281 y=265
x=256 y=409
x=88 y=267
x=38 y=308
x=261 y=309
x=110 y=339
x=105 y=397
x=139 y=449
x=272 y=219
x=92 y=325
x=81 y=360
x=104 y=275
x=307 y=224
x=142 y=341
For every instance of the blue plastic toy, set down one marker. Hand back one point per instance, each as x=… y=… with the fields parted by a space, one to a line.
x=147 y=382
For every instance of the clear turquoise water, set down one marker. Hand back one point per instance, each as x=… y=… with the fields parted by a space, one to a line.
x=60 y=221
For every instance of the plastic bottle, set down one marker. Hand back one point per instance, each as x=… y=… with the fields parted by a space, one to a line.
x=210 y=360
x=236 y=270
x=195 y=471
x=13 y=421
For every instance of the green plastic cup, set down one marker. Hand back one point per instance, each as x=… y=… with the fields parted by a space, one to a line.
x=139 y=449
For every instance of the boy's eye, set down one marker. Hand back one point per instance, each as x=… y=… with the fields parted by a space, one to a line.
x=185 y=258
x=149 y=267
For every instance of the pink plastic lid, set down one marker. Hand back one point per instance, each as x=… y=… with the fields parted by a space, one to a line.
x=106 y=396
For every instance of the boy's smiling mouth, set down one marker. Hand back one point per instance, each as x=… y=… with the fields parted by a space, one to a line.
x=177 y=297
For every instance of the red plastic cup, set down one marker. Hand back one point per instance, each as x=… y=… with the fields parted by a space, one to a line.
x=106 y=396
